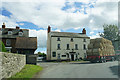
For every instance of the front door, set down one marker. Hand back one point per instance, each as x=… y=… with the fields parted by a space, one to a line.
x=72 y=57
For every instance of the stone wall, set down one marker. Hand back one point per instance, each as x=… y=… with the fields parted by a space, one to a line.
x=10 y=64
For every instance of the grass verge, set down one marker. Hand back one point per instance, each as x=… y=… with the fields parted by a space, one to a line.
x=27 y=72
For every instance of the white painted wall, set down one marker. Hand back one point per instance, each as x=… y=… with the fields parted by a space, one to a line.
x=63 y=45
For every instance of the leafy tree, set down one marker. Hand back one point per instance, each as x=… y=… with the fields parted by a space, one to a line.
x=41 y=54
x=110 y=32
x=2 y=47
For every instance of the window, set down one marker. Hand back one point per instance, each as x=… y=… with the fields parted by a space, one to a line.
x=58 y=39
x=84 y=47
x=58 y=56
x=9 y=32
x=63 y=55
x=53 y=54
x=76 y=46
x=71 y=39
x=58 y=47
x=84 y=40
x=20 y=33
x=8 y=42
x=68 y=47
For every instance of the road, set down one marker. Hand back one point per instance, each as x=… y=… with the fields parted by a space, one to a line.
x=79 y=70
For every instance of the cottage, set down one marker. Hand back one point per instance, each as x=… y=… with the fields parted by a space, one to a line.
x=26 y=45
x=66 y=45
x=12 y=37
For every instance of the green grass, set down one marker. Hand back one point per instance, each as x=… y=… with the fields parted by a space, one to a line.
x=27 y=72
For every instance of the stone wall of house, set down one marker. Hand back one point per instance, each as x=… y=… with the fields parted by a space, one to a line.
x=10 y=64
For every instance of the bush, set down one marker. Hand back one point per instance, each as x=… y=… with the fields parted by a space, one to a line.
x=2 y=47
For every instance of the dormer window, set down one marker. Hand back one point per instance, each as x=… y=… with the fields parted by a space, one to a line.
x=9 y=32
x=20 y=33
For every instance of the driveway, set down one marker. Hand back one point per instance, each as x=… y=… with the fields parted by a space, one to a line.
x=79 y=70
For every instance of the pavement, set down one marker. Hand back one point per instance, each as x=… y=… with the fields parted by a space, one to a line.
x=78 y=70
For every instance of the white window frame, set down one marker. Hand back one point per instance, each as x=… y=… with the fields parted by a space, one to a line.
x=9 y=32
x=8 y=42
x=20 y=33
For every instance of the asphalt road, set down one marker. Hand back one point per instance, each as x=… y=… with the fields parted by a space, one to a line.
x=79 y=70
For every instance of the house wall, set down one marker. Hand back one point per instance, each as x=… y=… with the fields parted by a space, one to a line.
x=63 y=45
x=48 y=47
x=10 y=64
x=13 y=41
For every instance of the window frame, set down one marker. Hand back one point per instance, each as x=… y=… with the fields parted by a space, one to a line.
x=8 y=41
x=84 y=46
x=9 y=32
x=53 y=54
x=63 y=55
x=58 y=47
x=71 y=40
x=20 y=33
x=76 y=48
x=84 y=40
x=68 y=47
x=58 y=39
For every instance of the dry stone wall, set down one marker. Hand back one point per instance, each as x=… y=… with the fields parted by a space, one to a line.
x=10 y=64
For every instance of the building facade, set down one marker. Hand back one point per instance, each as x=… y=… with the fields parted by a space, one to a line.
x=10 y=36
x=66 y=45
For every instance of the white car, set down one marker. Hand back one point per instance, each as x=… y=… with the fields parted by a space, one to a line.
x=39 y=58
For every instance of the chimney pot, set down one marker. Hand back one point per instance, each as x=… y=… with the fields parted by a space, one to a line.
x=17 y=27
x=84 y=31
x=49 y=28
x=3 y=26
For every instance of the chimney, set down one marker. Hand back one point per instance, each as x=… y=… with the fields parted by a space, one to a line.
x=3 y=26
x=17 y=27
x=84 y=31
x=49 y=28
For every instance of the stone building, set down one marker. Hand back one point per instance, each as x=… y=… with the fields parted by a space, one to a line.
x=11 y=37
x=66 y=45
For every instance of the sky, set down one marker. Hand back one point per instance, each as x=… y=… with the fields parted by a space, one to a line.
x=61 y=15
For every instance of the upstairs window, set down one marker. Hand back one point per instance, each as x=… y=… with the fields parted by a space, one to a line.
x=68 y=47
x=58 y=46
x=76 y=46
x=20 y=33
x=84 y=40
x=84 y=47
x=71 y=39
x=8 y=42
x=58 y=39
x=9 y=32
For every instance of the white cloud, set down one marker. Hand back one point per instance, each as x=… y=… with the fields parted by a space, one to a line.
x=41 y=37
x=21 y=24
x=48 y=12
x=92 y=32
x=10 y=23
x=95 y=36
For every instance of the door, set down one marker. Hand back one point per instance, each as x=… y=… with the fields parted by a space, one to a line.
x=72 y=57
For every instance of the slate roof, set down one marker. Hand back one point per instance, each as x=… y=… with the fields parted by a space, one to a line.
x=68 y=34
x=14 y=31
x=26 y=43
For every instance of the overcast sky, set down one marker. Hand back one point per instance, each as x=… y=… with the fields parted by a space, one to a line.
x=61 y=15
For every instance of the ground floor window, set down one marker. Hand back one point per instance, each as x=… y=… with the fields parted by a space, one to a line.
x=53 y=54
x=63 y=55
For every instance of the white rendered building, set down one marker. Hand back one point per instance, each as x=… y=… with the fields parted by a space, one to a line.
x=66 y=45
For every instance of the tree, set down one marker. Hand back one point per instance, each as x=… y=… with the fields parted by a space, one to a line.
x=2 y=47
x=110 y=32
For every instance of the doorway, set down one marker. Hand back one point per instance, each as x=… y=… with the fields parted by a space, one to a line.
x=72 y=57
